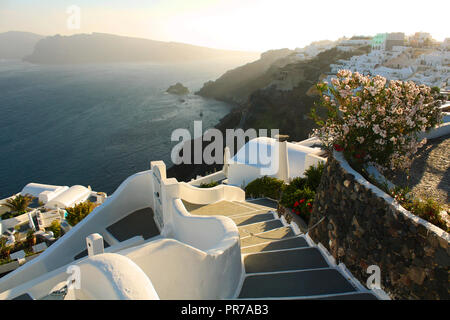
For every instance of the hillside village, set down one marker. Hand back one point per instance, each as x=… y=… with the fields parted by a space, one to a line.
x=395 y=56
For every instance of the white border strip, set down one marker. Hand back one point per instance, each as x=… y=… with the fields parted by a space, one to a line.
x=391 y=201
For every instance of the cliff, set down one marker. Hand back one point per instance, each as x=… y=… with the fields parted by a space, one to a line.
x=16 y=44
x=271 y=93
x=236 y=85
x=276 y=91
x=99 y=47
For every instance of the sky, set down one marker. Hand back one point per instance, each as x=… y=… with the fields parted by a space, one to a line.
x=251 y=25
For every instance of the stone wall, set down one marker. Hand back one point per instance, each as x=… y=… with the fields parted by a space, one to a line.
x=364 y=226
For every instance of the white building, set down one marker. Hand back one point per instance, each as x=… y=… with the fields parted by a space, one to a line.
x=72 y=196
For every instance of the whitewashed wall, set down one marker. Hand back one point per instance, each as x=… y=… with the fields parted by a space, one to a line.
x=133 y=194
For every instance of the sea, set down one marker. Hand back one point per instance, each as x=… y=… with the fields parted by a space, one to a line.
x=96 y=124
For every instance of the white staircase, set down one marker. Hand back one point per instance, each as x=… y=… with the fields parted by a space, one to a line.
x=282 y=263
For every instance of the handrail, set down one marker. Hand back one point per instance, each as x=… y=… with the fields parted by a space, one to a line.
x=209 y=195
x=212 y=234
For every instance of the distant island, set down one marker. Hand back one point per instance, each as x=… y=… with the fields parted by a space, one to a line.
x=178 y=88
x=107 y=48
x=17 y=44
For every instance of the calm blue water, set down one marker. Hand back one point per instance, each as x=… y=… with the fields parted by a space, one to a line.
x=94 y=124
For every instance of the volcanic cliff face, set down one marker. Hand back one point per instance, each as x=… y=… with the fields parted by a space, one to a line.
x=275 y=92
x=107 y=48
x=17 y=44
x=236 y=85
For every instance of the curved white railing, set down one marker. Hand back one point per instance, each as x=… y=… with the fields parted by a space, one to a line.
x=133 y=194
x=209 y=195
x=212 y=234
x=214 y=177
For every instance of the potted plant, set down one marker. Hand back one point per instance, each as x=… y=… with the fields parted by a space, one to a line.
x=31 y=238
x=5 y=249
x=19 y=204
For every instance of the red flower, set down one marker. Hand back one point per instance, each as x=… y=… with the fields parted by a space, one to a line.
x=296 y=204
x=309 y=204
x=303 y=200
x=338 y=147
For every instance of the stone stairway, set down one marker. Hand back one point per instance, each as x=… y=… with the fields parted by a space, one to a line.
x=281 y=262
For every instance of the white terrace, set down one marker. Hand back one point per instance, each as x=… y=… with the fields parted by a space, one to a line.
x=157 y=238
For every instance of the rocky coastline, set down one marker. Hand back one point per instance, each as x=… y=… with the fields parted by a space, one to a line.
x=274 y=92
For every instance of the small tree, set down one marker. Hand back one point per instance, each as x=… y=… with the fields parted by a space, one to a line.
x=4 y=248
x=79 y=212
x=19 y=204
x=55 y=227
x=31 y=238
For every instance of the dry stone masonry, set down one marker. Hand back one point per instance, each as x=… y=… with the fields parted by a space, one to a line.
x=364 y=226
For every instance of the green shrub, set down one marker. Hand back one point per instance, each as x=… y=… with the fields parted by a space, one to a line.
x=289 y=197
x=208 y=185
x=429 y=210
x=265 y=187
x=313 y=175
x=18 y=205
x=79 y=212
x=298 y=183
x=55 y=227
x=435 y=90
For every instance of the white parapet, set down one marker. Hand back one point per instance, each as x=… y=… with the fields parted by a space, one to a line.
x=259 y=155
x=442 y=130
x=95 y=244
x=283 y=158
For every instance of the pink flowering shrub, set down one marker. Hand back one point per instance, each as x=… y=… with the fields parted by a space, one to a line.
x=374 y=121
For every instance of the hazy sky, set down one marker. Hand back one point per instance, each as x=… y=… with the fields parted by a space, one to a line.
x=256 y=25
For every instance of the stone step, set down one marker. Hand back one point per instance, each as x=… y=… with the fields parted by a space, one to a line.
x=264 y=202
x=295 y=284
x=248 y=213
x=220 y=208
x=296 y=242
x=252 y=218
x=259 y=227
x=276 y=234
x=254 y=206
x=285 y=260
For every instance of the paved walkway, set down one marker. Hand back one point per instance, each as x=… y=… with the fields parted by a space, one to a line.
x=430 y=172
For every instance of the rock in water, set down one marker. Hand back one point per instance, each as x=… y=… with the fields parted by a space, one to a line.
x=178 y=89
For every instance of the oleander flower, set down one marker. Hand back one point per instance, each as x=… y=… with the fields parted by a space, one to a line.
x=382 y=117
